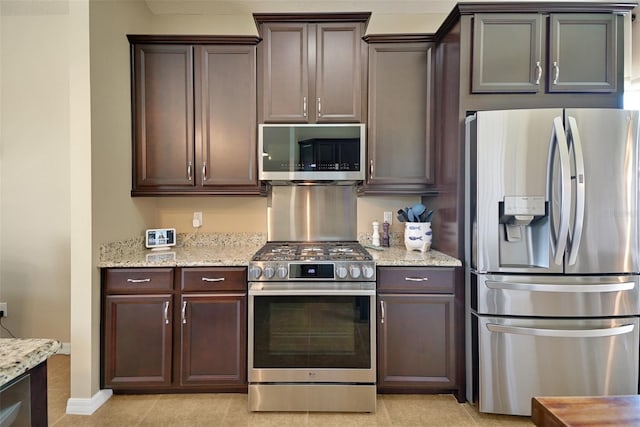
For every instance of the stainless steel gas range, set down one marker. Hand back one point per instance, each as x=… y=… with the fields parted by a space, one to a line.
x=311 y=333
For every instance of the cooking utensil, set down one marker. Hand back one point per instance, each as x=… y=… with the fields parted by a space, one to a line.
x=418 y=209
x=426 y=216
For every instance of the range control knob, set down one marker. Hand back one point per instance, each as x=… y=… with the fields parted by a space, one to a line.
x=368 y=271
x=268 y=272
x=354 y=270
x=282 y=272
x=341 y=272
x=255 y=272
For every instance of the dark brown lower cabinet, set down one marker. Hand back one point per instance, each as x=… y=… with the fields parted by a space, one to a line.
x=213 y=337
x=173 y=330
x=138 y=338
x=418 y=348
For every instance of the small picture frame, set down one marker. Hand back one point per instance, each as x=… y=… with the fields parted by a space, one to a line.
x=160 y=238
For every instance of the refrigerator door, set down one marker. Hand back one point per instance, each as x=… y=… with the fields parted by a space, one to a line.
x=520 y=358
x=605 y=237
x=510 y=211
x=555 y=296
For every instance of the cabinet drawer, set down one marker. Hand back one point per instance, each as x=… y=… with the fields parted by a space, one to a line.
x=416 y=280
x=138 y=279
x=213 y=279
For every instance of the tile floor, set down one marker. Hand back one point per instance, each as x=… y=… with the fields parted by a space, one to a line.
x=193 y=410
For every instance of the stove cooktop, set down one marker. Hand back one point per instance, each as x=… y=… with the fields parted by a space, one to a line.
x=312 y=251
x=312 y=261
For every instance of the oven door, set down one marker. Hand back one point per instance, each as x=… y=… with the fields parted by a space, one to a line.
x=312 y=333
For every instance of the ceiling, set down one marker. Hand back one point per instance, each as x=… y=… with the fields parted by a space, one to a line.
x=233 y=7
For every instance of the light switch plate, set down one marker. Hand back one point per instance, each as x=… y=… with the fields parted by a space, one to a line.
x=388 y=217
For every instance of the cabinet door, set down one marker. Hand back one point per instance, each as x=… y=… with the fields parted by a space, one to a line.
x=400 y=149
x=226 y=116
x=285 y=73
x=163 y=117
x=416 y=342
x=507 y=53
x=338 y=82
x=214 y=339
x=137 y=341
x=582 y=53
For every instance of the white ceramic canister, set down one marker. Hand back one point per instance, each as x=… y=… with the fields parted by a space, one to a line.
x=417 y=236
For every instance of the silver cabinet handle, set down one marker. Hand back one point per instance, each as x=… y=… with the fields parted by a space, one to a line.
x=189 y=170
x=538 y=72
x=578 y=161
x=304 y=106
x=184 y=312
x=416 y=279
x=371 y=168
x=204 y=172
x=554 y=287
x=556 y=72
x=213 y=279
x=381 y=311
x=166 y=312
x=138 y=280
x=566 y=333
x=319 y=108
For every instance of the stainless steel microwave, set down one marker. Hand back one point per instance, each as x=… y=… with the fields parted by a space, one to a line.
x=311 y=152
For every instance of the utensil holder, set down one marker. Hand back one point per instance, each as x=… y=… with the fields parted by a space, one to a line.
x=417 y=236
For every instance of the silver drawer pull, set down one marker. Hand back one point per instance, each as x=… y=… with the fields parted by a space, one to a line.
x=184 y=312
x=381 y=311
x=213 y=279
x=138 y=280
x=416 y=279
x=565 y=333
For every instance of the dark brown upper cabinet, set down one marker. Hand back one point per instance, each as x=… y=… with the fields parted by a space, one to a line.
x=400 y=127
x=194 y=115
x=531 y=52
x=312 y=72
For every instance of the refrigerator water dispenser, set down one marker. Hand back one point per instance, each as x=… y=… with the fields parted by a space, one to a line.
x=522 y=235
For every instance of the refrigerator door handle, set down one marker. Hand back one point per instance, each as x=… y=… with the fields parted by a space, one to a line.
x=576 y=235
x=543 y=287
x=558 y=144
x=564 y=333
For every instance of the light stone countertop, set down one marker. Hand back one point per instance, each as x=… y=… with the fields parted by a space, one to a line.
x=236 y=249
x=191 y=250
x=400 y=256
x=18 y=355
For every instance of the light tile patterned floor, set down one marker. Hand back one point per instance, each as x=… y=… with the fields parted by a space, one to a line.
x=224 y=409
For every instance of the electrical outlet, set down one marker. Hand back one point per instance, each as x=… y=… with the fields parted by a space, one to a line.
x=3 y=309
x=197 y=219
x=388 y=217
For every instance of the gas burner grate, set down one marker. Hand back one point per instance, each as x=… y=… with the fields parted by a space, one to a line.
x=312 y=251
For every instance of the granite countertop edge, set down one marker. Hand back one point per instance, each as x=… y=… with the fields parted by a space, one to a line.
x=229 y=249
x=18 y=355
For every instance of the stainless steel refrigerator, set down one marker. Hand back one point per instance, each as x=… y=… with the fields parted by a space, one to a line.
x=553 y=257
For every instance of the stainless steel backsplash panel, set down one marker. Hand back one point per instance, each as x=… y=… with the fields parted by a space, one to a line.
x=310 y=212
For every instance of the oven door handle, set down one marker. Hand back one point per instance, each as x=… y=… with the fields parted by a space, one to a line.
x=303 y=292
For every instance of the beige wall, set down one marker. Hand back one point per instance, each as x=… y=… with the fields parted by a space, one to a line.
x=34 y=176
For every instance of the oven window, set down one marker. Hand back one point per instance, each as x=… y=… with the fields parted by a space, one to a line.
x=312 y=332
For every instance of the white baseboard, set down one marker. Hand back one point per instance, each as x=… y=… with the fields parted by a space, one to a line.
x=77 y=406
x=65 y=348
